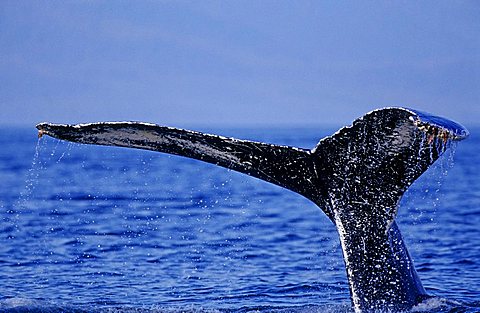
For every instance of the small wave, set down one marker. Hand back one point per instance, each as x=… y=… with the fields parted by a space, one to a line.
x=21 y=305
x=437 y=304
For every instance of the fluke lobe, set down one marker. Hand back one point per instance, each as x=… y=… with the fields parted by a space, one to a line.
x=357 y=177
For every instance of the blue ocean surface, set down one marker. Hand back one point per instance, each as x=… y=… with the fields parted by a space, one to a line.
x=104 y=229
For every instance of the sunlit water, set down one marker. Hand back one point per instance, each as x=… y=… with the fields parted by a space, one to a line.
x=86 y=228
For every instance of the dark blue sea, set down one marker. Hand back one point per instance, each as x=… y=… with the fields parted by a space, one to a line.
x=102 y=229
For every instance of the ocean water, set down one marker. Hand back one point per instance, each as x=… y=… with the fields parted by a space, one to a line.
x=104 y=229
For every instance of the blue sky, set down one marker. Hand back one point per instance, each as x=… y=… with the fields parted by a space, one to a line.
x=236 y=63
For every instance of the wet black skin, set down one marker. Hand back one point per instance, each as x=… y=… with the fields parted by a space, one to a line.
x=356 y=176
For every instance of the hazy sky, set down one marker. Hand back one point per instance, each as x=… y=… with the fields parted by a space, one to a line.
x=235 y=63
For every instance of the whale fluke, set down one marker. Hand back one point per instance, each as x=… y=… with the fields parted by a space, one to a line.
x=357 y=177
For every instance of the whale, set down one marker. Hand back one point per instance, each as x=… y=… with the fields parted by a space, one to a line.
x=357 y=177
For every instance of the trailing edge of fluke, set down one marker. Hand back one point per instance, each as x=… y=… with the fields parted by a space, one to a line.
x=357 y=176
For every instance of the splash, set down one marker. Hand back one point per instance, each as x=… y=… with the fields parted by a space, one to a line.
x=430 y=185
x=31 y=181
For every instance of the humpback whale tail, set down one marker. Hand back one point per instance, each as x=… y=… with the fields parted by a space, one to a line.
x=357 y=177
